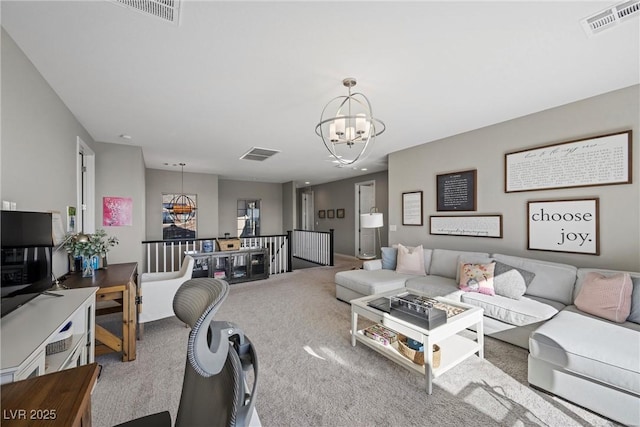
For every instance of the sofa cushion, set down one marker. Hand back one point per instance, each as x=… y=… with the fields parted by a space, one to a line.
x=608 y=297
x=552 y=280
x=410 y=261
x=511 y=282
x=590 y=346
x=514 y=312
x=471 y=258
x=369 y=282
x=634 y=315
x=435 y=286
x=444 y=262
x=389 y=256
x=477 y=278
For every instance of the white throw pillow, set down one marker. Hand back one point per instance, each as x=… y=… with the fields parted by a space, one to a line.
x=410 y=261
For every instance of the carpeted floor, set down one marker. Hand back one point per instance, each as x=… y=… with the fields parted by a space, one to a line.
x=311 y=376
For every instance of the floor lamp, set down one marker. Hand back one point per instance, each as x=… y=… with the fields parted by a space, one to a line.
x=372 y=219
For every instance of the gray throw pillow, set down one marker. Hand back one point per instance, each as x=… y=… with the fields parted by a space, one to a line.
x=634 y=316
x=389 y=258
x=511 y=282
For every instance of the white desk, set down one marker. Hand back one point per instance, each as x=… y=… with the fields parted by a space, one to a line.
x=25 y=333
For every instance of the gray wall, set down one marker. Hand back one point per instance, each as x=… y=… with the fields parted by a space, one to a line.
x=341 y=195
x=120 y=173
x=484 y=150
x=204 y=186
x=39 y=136
x=38 y=155
x=271 y=204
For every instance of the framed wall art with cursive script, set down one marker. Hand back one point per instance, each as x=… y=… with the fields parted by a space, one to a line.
x=466 y=225
x=601 y=160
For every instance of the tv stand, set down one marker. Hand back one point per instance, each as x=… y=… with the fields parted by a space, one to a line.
x=26 y=332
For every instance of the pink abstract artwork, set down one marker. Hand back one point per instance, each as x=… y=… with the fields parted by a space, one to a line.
x=117 y=211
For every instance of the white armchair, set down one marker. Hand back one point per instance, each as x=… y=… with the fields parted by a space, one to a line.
x=157 y=291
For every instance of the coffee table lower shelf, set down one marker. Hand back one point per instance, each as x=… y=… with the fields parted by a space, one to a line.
x=453 y=350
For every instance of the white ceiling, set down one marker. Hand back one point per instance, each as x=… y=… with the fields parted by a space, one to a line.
x=235 y=74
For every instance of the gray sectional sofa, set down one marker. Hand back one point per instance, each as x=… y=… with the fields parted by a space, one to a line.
x=585 y=359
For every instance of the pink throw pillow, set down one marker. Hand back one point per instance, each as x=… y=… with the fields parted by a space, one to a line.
x=608 y=297
x=410 y=261
x=477 y=278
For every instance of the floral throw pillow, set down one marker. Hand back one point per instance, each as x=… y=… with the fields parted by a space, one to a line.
x=477 y=278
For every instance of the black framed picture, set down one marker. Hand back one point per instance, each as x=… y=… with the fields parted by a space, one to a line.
x=331 y=213
x=340 y=213
x=321 y=213
x=457 y=191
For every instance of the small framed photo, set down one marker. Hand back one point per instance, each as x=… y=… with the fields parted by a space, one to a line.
x=340 y=213
x=331 y=213
x=321 y=213
x=412 y=208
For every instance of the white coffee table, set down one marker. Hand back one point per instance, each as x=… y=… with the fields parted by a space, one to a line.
x=454 y=348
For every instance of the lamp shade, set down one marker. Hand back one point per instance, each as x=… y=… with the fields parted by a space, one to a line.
x=371 y=220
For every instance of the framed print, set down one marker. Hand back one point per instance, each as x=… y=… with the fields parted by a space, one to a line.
x=466 y=225
x=321 y=213
x=340 y=213
x=564 y=226
x=412 y=208
x=602 y=160
x=331 y=213
x=117 y=211
x=456 y=191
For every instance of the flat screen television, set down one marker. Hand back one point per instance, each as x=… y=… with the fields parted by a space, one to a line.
x=25 y=248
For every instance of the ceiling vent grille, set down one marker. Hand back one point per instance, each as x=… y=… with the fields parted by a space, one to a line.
x=167 y=10
x=610 y=17
x=258 y=154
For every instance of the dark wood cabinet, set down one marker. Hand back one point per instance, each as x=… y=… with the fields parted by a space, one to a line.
x=233 y=266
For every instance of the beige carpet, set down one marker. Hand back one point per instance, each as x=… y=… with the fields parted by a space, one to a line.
x=311 y=376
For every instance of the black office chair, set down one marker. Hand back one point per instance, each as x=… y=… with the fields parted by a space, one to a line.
x=214 y=389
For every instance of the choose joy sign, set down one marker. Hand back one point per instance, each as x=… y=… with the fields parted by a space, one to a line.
x=564 y=226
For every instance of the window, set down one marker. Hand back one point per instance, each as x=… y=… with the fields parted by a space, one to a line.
x=248 y=218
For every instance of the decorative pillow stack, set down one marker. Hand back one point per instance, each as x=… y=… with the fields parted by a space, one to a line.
x=410 y=261
x=477 y=278
x=608 y=297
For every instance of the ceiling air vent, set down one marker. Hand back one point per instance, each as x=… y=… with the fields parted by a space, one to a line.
x=167 y=10
x=258 y=154
x=610 y=17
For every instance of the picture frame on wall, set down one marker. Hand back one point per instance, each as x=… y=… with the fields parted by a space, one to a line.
x=457 y=191
x=412 y=208
x=321 y=213
x=466 y=225
x=564 y=226
x=331 y=213
x=600 y=160
x=340 y=213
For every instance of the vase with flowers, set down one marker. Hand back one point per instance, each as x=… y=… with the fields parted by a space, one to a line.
x=90 y=248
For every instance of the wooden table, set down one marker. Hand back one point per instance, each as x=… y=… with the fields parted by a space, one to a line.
x=117 y=283
x=60 y=399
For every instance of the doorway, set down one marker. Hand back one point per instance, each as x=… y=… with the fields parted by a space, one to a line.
x=365 y=193
x=85 y=183
x=307 y=211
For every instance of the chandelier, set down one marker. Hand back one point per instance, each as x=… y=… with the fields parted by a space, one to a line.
x=182 y=208
x=349 y=132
